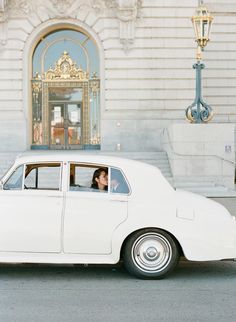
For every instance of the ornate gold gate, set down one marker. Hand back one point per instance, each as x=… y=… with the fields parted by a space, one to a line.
x=65 y=111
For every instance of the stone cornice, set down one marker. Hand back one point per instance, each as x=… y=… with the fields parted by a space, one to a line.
x=126 y=11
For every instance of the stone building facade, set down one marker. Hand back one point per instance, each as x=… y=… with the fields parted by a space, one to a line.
x=140 y=86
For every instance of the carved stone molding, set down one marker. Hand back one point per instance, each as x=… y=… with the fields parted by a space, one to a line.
x=126 y=11
x=19 y=8
x=12 y=8
x=61 y=8
x=100 y=5
x=61 y=5
x=70 y=8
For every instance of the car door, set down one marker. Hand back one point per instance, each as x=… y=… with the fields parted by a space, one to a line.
x=91 y=216
x=31 y=209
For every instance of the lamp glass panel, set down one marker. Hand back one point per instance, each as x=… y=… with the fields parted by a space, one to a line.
x=197 y=27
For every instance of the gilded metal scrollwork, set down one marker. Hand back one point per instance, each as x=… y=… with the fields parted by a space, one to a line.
x=66 y=74
x=65 y=68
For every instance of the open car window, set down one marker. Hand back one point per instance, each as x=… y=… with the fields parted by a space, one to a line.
x=43 y=176
x=91 y=178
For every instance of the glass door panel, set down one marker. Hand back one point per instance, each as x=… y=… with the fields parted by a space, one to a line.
x=65 y=125
x=74 y=124
x=57 y=125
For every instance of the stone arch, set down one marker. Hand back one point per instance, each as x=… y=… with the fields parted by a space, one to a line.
x=40 y=31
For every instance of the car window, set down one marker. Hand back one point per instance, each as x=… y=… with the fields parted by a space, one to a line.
x=14 y=182
x=92 y=178
x=118 y=183
x=3 y=175
x=42 y=176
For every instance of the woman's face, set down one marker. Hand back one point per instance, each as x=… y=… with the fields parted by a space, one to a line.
x=102 y=179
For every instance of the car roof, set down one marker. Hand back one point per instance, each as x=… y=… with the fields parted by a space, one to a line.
x=77 y=156
x=139 y=174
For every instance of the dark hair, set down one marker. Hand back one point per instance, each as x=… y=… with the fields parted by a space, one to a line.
x=96 y=175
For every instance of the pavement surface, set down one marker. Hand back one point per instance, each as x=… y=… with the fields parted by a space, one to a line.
x=195 y=291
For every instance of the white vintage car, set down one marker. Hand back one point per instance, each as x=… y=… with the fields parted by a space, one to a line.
x=52 y=213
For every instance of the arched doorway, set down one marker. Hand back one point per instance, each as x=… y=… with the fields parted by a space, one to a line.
x=65 y=92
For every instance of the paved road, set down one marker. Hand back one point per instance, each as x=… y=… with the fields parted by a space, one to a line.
x=194 y=292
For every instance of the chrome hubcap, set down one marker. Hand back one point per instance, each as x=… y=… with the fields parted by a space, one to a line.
x=151 y=252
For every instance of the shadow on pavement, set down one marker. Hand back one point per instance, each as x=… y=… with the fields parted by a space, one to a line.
x=213 y=269
x=185 y=269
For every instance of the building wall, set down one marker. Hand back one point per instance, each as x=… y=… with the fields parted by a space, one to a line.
x=147 y=52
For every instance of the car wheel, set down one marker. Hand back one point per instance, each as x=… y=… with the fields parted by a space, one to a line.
x=150 y=253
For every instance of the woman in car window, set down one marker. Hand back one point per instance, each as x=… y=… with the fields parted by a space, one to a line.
x=100 y=179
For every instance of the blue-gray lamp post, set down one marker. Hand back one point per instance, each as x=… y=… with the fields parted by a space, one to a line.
x=199 y=111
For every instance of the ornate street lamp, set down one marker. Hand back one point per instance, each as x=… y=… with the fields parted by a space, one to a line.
x=199 y=111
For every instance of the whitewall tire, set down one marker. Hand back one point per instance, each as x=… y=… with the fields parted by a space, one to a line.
x=150 y=253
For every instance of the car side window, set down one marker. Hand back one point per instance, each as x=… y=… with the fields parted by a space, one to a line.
x=118 y=183
x=91 y=178
x=15 y=181
x=42 y=176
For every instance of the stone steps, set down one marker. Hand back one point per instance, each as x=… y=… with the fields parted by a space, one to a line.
x=205 y=188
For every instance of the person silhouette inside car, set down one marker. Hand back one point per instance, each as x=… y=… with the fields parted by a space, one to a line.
x=118 y=184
